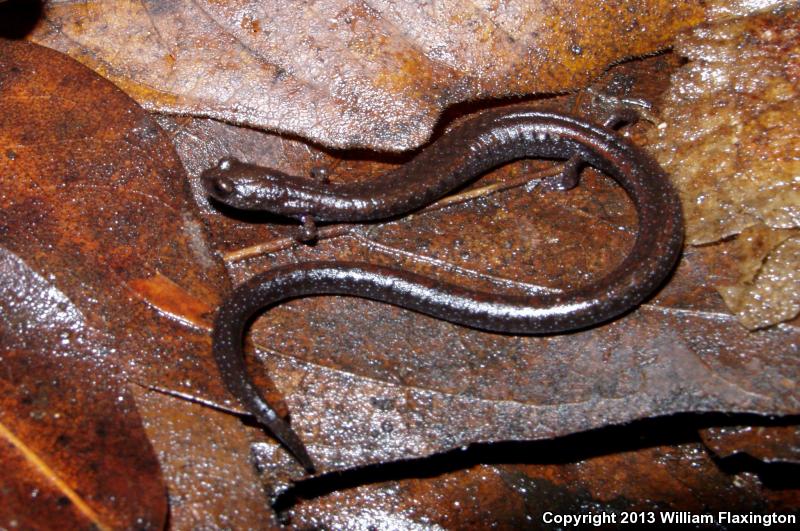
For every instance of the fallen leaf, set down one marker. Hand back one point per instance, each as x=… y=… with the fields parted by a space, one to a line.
x=768 y=288
x=29 y=496
x=771 y=444
x=72 y=445
x=368 y=383
x=103 y=253
x=729 y=139
x=730 y=117
x=207 y=464
x=94 y=197
x=350 y=74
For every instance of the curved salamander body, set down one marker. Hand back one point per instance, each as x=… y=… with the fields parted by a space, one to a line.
x=474 y=147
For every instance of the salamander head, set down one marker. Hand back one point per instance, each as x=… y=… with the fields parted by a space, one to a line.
x=244 y=186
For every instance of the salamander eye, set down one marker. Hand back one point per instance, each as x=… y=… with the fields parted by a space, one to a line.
x=226 y=163
x=223 y=186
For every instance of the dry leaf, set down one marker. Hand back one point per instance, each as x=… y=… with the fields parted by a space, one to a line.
x=346 y=73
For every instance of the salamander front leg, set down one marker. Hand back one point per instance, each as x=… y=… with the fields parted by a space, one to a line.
x=308 y=229
x=308 y=232
x=320 y=174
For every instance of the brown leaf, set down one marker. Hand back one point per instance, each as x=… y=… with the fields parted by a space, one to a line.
x=73 y=447
x=346 y=73
x=95 y=198
x=730 y=121
x=767 y=443
x=369 y=383
x=205 y=455
x=355 y=371
x=729 y=138
x=29 y=496
x=501 y=494
x=170 y=299
x=768 y=288
x=94 y=205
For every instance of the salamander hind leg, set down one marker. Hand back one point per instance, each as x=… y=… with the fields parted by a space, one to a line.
x=569 y=176
x=622 y=115
x=570 y=173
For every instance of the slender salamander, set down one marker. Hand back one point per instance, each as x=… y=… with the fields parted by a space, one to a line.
x=469 y=150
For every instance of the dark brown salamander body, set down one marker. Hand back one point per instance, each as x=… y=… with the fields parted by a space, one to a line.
x=474 y=147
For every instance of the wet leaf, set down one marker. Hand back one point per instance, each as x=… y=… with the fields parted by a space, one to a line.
x=366 y=383
x=729 y=138
x=596 y=474
x=345 y=73
x=767 y=443
x=730 y=118
x=29 y=496
x=94 y=197
x=94 y=207
x=768 y=288
x=206 y=459
x=72 y=447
